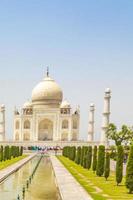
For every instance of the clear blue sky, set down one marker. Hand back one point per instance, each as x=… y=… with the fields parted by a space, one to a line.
x=87 y=44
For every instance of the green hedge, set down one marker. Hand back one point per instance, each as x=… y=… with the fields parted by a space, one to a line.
x=119 y=164
x=101 y=161
x=129 y=171
x=94 y=165
x=89 y=157
x=107 y=166
x=78 y=155
x=8 y=152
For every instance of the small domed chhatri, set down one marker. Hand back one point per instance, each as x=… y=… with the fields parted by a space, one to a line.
x=46 y=117
x=65 y=104
x=108 y=90
x=27 y=104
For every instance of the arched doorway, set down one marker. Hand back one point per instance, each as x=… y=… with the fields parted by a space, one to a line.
x=45 y=130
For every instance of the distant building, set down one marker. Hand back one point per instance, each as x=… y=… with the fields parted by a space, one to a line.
x=46 y=117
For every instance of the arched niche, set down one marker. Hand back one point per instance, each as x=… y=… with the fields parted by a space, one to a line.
x=65 y=124
x=27 y=124
x=45 y=130
x=17 y=125
x=75 y=124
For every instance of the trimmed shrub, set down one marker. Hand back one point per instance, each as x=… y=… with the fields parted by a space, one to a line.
x=10 y=153
x=66 y=151
x=94 y=165
x=119 y=164
x=107 y=166
x=101 y=160
x=78 y=155
x=85 y=156
x=1 y=153
x=82 y=156
x=129 y=171
x=6 y=153
x=89 y=157
x=73 y=153
x=17 y=152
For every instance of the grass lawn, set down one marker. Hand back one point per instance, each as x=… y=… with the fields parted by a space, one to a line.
x=97 y=187
x=7 y=163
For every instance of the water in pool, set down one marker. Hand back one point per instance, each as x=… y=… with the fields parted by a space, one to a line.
x=42 y=187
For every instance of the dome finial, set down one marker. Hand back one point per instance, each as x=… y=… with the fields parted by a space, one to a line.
x=47 y=71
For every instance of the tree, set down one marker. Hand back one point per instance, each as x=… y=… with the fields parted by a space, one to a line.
x=124 y=136
x=67 y=152
x=101 y=160
x=129 y=171
x=9 y=153
x=73 y=153
x=89 y=157
x=85 y=156
x=119 y=164
x=78 y=155
x=1 y=153
x=82 y=156
x=113 y=153
x=6 y=153
x=107 y=166
x=94 y=165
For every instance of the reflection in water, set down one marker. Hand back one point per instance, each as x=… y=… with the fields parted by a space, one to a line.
x=43 y=185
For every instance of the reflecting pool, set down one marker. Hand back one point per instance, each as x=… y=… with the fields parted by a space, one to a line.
x=42 y=187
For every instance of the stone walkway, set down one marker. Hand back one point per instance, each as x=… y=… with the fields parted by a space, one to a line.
x=69 y=188
x=4 y=173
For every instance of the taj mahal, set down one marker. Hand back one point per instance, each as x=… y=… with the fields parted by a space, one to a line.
x=47 y=117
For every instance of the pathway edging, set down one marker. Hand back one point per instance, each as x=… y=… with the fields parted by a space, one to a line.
x=68 y=186
x=4 y=173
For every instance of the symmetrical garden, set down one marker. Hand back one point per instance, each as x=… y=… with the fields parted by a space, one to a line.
x=91 y=167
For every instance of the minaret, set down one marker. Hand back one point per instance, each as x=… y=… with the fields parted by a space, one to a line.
x=106 y=116
x=47 y=71
x=91 y=123
x=2 y=123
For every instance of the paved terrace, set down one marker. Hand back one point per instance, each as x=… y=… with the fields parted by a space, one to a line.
x=49 y=143
x=69 y=188
x=4 y=173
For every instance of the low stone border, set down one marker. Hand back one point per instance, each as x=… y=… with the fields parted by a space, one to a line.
x=4 y=173
x=68 y=186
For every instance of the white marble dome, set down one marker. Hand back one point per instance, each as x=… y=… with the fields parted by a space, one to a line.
x=47 y=92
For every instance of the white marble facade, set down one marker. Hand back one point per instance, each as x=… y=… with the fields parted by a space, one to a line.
x=46 y=117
